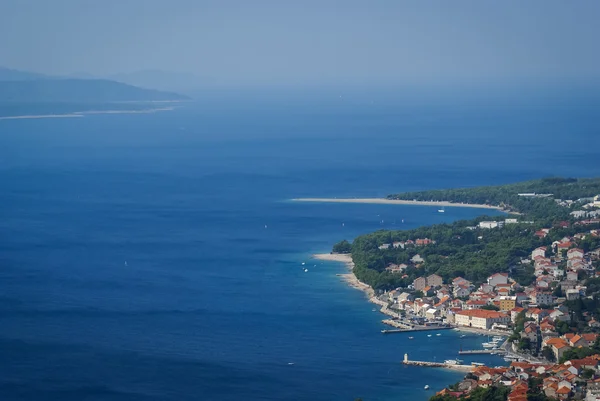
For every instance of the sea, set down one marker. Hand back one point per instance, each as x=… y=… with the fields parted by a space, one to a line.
x=159 y=257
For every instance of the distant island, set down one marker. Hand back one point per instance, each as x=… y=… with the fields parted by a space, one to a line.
x=79 y=90
x=29 y=87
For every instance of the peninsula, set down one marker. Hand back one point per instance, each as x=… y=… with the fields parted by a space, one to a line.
x=533 y=276
x=387 y=201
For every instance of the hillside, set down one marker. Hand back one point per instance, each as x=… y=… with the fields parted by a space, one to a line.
x=464 y=248
x=78 y=90
x=9 y=74
x=161 y=80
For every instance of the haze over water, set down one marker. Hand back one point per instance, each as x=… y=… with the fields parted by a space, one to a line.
x=158 y=257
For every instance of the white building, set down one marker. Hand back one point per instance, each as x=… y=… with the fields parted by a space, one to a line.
x=461 y=291
x=575 y=253
x=480 y=318
x=541 y=298
x=497 y=278
x=541 y=251
x=488 y=224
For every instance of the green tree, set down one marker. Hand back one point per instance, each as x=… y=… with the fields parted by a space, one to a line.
x=548 y=354
x=342 y=247
x=524 y=344
x=587 y=373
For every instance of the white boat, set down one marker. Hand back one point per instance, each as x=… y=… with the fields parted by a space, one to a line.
x=411 y=338
x=441 y=210
x=463 y=335
x=428 y=335
x=438 y=334
x=305 y=270
x=426 y=387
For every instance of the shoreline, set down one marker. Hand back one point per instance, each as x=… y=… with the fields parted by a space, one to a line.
x=352 y=281
x=79 y=114
x=384 y=201
x=349 y=278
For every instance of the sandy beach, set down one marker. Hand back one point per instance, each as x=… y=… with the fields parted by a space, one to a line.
x=395 y=202
x=84 y=113
x=41 y=116
x=349 y=278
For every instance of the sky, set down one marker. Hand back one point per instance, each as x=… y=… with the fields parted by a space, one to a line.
x=275 y=42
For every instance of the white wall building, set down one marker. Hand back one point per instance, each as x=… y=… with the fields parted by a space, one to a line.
x=480 y=318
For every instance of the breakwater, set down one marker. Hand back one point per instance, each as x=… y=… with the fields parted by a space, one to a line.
x=453 y=366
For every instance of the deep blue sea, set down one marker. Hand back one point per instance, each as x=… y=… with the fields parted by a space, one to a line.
x=158 y=257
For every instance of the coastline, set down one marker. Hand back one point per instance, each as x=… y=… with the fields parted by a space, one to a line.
x=349 y=278
x=84 y=113
x=26 y=117
x=397 y=202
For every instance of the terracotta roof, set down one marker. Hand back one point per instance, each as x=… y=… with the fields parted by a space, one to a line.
x=522 y=365
x=574 y=339
x=476 y=302
x=563 y=390
x=558 y=343
x=482 y=313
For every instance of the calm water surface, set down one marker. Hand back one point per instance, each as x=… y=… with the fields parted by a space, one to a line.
x=157 y=257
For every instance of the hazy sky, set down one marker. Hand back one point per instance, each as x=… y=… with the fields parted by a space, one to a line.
x=305 y=41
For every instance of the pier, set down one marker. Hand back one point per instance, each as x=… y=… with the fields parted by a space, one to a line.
x=462 y=368
x=482 y=351
x=403 y=327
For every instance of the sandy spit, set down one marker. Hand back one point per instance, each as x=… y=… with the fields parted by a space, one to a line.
x=395 y=202
x=84 y=113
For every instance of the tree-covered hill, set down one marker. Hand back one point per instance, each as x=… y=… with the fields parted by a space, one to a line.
x=463 y=249
x=508 y=195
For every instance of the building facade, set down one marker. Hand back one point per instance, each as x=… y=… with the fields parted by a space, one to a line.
x=480 y=319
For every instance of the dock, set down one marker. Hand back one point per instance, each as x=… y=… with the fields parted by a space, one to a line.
x=482 y=351
x=462 y=368
x=405 y=328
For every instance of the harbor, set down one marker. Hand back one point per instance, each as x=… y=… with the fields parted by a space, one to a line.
x=451 y=364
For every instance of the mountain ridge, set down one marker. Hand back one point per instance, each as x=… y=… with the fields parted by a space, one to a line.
x=79 y=90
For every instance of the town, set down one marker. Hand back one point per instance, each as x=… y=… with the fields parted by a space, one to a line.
x=546 y=303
